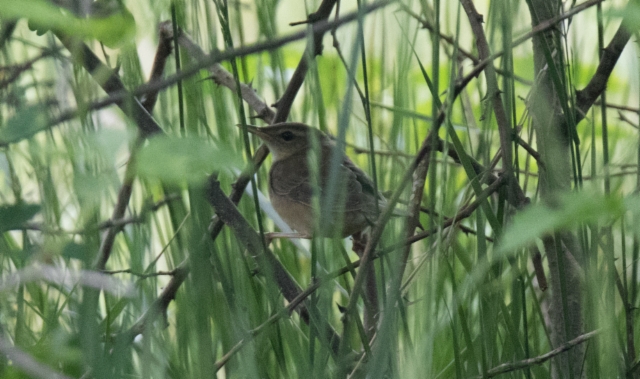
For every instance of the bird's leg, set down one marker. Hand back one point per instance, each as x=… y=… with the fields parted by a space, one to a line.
x=268 y=237
x=371 y=306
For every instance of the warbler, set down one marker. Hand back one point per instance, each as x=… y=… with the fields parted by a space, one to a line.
x=291 y=188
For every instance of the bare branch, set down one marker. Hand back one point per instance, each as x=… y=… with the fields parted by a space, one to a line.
x=519 y=365
x=313 y=49
x=598 y=83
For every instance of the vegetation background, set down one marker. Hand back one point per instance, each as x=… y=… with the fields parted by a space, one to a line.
x=509 y=129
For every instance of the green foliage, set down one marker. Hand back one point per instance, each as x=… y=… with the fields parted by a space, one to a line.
x=42 y=15
x=569 y=212
x=27 y=122
x=14 y=216
x=184 y=160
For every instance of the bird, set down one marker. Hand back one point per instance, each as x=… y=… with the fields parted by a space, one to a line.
x=291 y=188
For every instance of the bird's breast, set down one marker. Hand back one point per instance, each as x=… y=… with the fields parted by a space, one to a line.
x=297 y=215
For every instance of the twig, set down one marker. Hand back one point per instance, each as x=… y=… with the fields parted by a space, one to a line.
x=312 y=50
x=619 y=107
x=493 y=93
x=519 y=365
x=159 y=62
x=463 y=228
x=140 y=274
x=113 y=86
x=160 y=305
x=108 y=223
x=124 y=195
x=223 y=77
x=627 y=120
x=588 y=95
x=530 y=150
x=462 y=214
x=11 y=73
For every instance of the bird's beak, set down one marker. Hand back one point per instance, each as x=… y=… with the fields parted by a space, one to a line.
x=252 y=129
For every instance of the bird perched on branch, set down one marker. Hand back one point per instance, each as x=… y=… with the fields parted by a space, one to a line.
x=353 y=208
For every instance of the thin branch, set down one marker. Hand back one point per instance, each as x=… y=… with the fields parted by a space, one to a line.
x=530 y=150
x=463 y=228
x=223 y=77
x=494 y=96
x=625 y=119
x=113 y=86
x=119 y=223
x=619 y=107
x=160 y=305
x=462 y=214
x=313 y=49
x=11 y=73
x=610 y=55
x=519 y=365
x=140 y=274
x=159 y=62
x=413 y=221
x=124 y=195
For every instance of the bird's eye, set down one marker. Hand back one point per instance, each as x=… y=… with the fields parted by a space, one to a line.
x=287 y=136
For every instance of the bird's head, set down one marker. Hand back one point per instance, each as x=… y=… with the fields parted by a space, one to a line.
x=286 y=139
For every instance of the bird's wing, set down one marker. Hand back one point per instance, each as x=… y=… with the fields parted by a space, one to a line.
x=293 y=181
x=368 y=188
x=359 y=188
x=370 y=194
x=290 y=178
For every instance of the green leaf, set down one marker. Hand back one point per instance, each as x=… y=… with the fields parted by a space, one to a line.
x=14 y=216
x=111 y=30
x=91 y=188
x=76 y=251
x=114 y=312
x=24 y=124
x=178 y=160
x=572 y=210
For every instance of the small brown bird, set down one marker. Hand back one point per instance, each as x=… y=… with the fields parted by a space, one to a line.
x=290 y=185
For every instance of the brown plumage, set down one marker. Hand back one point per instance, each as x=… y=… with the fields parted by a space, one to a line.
x=291 y=189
